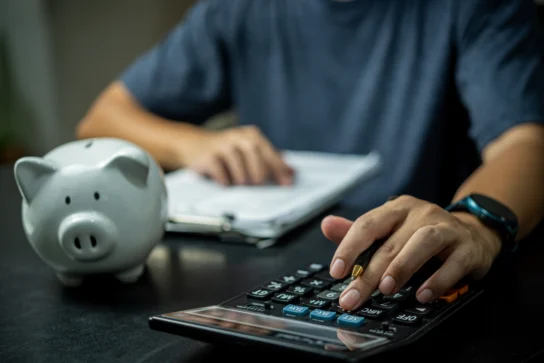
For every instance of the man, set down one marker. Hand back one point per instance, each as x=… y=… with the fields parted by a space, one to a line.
x=449 y=92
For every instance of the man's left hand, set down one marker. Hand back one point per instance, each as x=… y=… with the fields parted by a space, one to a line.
x=415 y=231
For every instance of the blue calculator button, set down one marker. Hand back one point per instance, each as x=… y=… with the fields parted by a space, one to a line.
x=295 y=310
x=350 y=320
x=322 y=315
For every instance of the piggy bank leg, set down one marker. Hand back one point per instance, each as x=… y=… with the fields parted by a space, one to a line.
x=132 y=275
x=69 y=280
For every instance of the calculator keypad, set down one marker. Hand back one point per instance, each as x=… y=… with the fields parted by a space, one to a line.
x=318 y=303
x=329 y=295
x=300 y=290
x=275 y=286
x=310 y=293
x=316 y=283
x=261 y=294
x=285 y=298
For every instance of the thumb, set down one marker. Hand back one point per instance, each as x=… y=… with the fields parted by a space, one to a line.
x=335 y=228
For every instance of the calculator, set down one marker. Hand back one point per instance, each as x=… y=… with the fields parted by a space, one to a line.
x=299 y=312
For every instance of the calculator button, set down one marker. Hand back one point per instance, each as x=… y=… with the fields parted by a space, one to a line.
x=407 y=319
x=349 y=280
x=376 y=294
x=463 y=290
x=386 y=305
x=296 y=310
x=449 y=297
x=304 y=273
x=315 y=283
x=261 y=294
x=399 y=296
x=338 y=308
x=407 y=289
x=350 y=320
x=290 y=279
x=261 y=304
x=372 y=313
x=316 y=267
x=339 y=287
x=300 y=290
x=317 y=303
x=329 y=295
x=284 y=298
x=275 y=286
x=322 y=315
x=324 y=275
x=420 y=309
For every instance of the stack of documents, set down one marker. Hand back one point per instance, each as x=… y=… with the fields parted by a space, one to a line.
x=261 y=214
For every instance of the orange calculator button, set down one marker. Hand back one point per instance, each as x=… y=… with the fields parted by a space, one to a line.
x=462 y=290
x=449 y=297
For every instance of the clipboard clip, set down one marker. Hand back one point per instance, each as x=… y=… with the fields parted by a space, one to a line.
x=220 y=227
x=202 y=224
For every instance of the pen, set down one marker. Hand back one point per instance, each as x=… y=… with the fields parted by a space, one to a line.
x=361 y=263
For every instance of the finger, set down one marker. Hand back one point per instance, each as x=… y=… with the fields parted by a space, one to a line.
x=360 y=289
x=281 y=172
x=335 y=228
x=367 y=283
x=256 y=165
x=215 y=170
x=425 y=243
x=235 y=165
x=456 y=266
x=348 y=338
x=373 y=225
x=229 y=320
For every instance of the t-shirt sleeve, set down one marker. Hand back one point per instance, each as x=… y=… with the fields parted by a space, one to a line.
x=500 y=65
x=183 y=77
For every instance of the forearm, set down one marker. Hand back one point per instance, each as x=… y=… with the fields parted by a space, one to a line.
x=513 y=173
x=115 y=114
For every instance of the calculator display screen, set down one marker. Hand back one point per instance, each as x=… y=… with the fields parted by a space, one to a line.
x=285 y=329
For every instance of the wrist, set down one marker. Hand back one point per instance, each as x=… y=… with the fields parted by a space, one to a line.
x=186 y=143
x=490 y=238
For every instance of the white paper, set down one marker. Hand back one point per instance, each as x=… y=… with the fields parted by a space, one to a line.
x=318 y=178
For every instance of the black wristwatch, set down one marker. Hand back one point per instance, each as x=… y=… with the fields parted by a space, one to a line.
x=493 y=214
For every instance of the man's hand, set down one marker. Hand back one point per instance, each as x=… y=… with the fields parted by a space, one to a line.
x=416 y=231
x=240 y=155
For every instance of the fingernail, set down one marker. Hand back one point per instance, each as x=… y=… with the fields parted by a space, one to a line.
x=425 y=296
x=337 y=269
x=387 y=286
x=286 y=180
x=349 y=299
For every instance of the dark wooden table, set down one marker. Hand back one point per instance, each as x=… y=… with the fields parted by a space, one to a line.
x=103 y=321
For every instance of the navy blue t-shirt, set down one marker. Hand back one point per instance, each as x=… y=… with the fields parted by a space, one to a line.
x=426 y=83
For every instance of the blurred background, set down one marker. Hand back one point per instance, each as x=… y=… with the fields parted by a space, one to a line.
x=57 y=55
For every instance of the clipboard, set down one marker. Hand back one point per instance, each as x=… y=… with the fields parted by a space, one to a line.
x=219 y=227
x=260 y=215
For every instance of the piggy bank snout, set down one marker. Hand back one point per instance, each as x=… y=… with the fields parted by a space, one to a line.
x=87 y=236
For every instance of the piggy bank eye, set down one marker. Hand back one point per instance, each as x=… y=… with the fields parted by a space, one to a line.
x=67 y=200
x=96 y=195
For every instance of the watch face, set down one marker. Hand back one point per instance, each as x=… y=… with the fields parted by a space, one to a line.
x=495 y=208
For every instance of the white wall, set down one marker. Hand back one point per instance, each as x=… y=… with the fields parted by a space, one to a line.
x=30 y=63
x=64 y=52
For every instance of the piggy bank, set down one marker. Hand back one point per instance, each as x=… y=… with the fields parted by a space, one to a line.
x=93 y=207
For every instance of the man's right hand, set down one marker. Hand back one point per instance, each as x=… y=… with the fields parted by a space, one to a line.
x=239 y=156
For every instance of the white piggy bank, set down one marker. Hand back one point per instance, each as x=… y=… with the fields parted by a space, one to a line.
x=93 y=207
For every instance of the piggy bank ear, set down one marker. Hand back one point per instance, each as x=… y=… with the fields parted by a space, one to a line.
x=132 y=163
x=31 y=173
